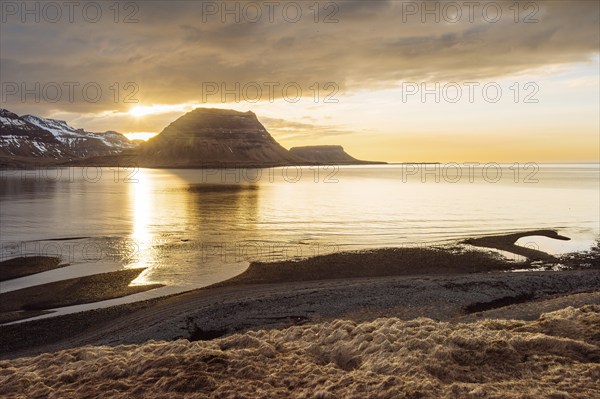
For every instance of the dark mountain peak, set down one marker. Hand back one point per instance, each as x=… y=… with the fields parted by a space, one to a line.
x=224 y=111
x=213 y=136
x=7 y=114
x=215 y=120
x=328 y=147
x=219 y=113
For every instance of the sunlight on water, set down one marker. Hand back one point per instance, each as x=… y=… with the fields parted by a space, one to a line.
x=191 y=228
x=142 y=235
x=578 y=243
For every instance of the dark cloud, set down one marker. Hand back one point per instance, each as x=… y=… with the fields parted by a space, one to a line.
x=176 y=47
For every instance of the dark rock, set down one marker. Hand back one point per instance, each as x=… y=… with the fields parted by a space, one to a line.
x=215 y=137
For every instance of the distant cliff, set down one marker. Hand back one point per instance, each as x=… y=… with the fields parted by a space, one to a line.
x=327 y=154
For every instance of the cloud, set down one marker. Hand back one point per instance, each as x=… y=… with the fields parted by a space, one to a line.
x=370 y=45
x=285 y=129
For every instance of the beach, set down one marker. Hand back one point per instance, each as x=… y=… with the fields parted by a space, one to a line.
x=416 y=300
x=450 y=283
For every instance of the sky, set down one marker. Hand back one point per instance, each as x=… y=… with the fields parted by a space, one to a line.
x=397 y=81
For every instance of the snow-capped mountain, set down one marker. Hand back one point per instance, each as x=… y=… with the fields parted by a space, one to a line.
x=31 y=136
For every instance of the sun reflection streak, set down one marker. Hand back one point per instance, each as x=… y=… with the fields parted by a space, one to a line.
x=142 y=235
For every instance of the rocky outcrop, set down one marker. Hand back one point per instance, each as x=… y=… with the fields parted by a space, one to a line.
x=208 y=137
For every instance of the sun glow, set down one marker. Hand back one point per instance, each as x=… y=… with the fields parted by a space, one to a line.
x=140 y=135
x=144 y=110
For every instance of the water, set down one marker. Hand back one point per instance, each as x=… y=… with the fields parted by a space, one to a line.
x=191 y=228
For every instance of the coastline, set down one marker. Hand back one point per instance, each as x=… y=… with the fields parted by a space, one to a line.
x=442 y=285
x=454 y=330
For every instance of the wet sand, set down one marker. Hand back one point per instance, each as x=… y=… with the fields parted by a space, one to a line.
x=33 y=301
x=507 y=243
x=28 y=265
x=374 y=263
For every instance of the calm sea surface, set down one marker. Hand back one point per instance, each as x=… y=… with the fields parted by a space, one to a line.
x=191 y=228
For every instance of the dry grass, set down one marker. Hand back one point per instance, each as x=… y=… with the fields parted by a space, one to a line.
x=557 y=356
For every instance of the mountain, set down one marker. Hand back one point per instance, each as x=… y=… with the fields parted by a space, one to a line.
x=204 y=137
x=31 y=138
x=83 y=144
x=215 y=137
x=21 y=139
x=327 y=154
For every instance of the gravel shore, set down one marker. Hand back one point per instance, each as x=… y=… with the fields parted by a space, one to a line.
x=213 y=312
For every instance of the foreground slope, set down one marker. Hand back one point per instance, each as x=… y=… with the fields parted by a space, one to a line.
x=556 y=356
